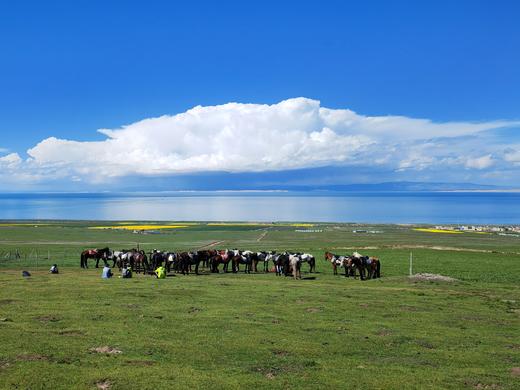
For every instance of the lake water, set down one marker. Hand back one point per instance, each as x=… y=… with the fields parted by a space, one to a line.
x=391 y=207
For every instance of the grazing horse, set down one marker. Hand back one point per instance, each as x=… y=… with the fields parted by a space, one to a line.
x=221 y=257
x=373 y=268
x=94 y=254
x=281 y=263
x=138 y=261
x=294 y=266
x=371 y=265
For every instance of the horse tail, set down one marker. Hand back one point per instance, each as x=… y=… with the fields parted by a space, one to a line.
x=82 y=260
x=378 y=269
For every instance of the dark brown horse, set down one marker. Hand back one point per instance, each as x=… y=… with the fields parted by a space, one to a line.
x=139 y=262
x=186 y=260
x=96 y=254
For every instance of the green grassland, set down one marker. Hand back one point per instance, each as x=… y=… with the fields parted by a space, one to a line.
x=220 y=331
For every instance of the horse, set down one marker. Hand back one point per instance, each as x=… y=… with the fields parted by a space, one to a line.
x=204 y=257
x=94 y=254
x=373 y=268
x=335 y=260
x=241 y=258
x=221 y=257
x=294 y=266
x=186 y=260
x=172 y=261
x=371 y=265
x=137 y=260
x=263 y=257
x=157 y=258
x=308 y=258
x=281 y=263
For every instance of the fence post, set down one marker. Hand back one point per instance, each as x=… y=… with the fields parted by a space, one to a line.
x=411 y=264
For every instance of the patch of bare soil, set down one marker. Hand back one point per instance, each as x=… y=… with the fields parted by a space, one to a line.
x=280 y=352
x=106 y=349
x=492 y=386
x=31 y=357
x=425 y=277
x=194 y=310
x=47 y=319
x=6 y=301
x=71 y=332
x=313 y=310
x=515 y=371
x=104 y=384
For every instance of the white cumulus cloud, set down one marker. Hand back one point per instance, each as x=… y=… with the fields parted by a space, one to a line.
x=236 y=137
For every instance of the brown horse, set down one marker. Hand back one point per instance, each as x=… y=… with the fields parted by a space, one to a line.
x=138 y=261
x=96 y=254
x=373 y=267
x=364 y=264
x=334 y=260
x=221 y=257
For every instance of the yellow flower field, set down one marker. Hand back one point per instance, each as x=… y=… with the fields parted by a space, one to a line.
x=140 y=227
x=437 y=231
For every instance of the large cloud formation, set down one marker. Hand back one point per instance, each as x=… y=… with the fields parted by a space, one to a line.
x=234 y=137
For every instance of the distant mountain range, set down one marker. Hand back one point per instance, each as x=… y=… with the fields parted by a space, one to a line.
x=392 y=186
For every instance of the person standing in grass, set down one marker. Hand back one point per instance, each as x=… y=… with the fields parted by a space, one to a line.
x=107 y=272
x=160 y=273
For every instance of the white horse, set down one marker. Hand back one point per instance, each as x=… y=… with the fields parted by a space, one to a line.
x=295 y=263
x=309 y=259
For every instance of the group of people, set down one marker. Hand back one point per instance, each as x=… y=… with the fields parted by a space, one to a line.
x=126 y=272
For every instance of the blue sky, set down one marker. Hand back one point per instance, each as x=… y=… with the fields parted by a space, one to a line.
x=71 y=68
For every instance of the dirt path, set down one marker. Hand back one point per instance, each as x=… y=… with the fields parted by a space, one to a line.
x=262 y=236
x=210 y=245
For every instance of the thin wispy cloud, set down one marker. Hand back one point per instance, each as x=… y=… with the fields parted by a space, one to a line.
x=295 y=133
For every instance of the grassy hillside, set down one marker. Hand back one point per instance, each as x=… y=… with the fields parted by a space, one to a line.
x=259 y=330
